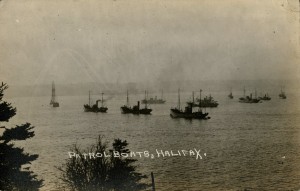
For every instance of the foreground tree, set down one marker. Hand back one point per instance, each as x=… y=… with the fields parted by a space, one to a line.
x=12 y=159
x=82 y=172
x=122 y=174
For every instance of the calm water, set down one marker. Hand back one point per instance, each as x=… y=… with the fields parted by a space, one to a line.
x=244 y=143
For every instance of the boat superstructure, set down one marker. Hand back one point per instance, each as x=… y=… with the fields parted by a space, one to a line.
x=188 y=112
x=95 y=108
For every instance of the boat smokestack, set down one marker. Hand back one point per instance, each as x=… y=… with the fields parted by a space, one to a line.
x=138 y=104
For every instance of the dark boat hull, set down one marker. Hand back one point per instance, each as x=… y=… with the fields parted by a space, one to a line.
x=175 y=113
x=246 y=100
x=265 y=99
x=95 y=109
x=206 y=103
x=126 y=109
x=145 y=111
x=55 y=104
x=154 y=101
x=282 y=96
x=134 y=110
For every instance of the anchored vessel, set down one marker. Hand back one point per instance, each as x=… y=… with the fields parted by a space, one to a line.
x=230 y=94
x=94 y=108
x=248 y=99
x=126 y=108
x=282 y=95
x=136 y=109
x=207 y=102
x=154 y=100
x=53 y=101
x=266 y=97
x=188 y=110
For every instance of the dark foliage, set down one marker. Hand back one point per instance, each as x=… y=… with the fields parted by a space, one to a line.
x=12 y=159
x=102 y=173
x=122 y=175
x=6 y=110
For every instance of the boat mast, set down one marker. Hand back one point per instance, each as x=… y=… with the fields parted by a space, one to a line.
x=255 y=94
x=244 y=92
x=179 y=98
x=89 y=98
x=162 y=94
x=127 y=98
x=282 y=92
x=53 y=94
x=146 y=99
x=200 y=98
x=102 y=100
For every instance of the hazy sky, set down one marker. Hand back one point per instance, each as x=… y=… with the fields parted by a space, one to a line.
x=147 y=40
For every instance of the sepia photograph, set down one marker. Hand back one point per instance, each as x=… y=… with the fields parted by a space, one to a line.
x=149 y=95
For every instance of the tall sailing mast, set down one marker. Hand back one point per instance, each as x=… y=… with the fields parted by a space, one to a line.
x=53 y=100
x=53 y=94
x=179 y=98
x=200 y=98
x=102 y=100
x=127 y=100
x=89 y=98
x=146 y=98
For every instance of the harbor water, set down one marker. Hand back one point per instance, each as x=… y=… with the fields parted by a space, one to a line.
x=246 y=146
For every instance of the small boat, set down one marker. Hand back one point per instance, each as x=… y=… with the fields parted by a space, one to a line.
x=282 y=95
x=188 y=110
x=53 y=101
x=94 y=108
x=230 y=95
x=249 y=99
x=266 y=97
x=155 y=100
x=136 y=109
x=126 y=108
x=207 y=102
